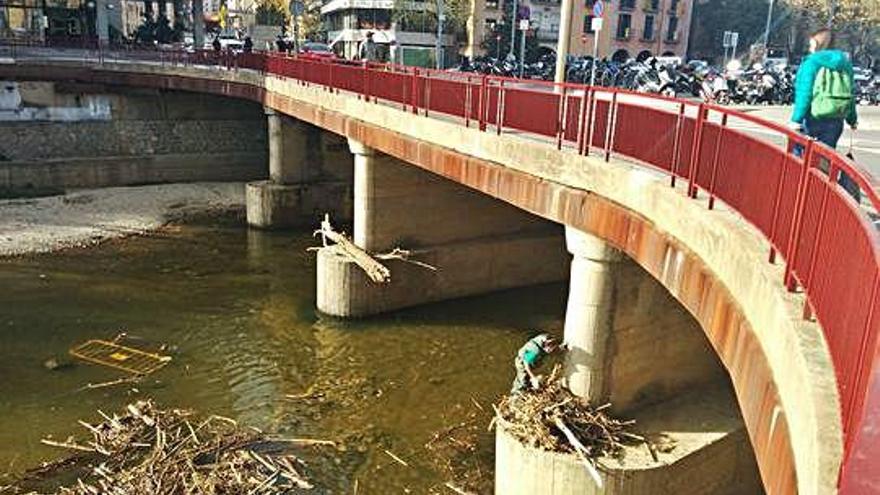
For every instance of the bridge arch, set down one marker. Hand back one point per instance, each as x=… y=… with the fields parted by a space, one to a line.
x=780 y=365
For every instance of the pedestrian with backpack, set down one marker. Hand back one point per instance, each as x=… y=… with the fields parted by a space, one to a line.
x=824 y=97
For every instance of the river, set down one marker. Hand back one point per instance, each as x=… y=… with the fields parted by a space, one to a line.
x=236 y=309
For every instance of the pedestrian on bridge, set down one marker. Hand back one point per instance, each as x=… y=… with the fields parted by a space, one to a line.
x=824 y=97
x=369 y=50
x=528 y=358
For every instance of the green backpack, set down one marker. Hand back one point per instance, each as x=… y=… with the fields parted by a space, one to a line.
x=832 y=94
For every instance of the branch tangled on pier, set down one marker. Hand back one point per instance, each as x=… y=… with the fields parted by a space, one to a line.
x=150 y=450
x=554 y=419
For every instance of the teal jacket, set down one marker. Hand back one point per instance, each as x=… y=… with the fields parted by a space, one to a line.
x=806 y=77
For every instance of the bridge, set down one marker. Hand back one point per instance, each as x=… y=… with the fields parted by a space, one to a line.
x=777 y=264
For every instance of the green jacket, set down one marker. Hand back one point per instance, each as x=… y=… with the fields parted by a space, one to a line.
x=806 y=77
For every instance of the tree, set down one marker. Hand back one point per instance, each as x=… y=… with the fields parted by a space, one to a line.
x=422 y=16
x=747 y=17
x=271 y=13
x=498 y=40
x=856 y=23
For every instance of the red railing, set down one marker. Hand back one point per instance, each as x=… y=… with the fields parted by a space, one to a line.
x=828 y=242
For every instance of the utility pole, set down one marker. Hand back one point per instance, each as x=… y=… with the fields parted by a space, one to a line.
x=513 y=16
x=562 y=46
x=439 y=47
x=767 y=28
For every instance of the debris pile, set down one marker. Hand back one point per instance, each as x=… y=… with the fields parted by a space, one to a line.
x=150 y=450
x=554 y=419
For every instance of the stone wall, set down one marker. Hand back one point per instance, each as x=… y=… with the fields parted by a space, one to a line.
x=152 y=136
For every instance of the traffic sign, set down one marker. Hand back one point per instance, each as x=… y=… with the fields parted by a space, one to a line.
x=598 y=8
x=297 y=7
x=596 y=24
x=524 y=25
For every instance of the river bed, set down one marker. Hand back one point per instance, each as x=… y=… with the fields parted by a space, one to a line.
x=236 y=308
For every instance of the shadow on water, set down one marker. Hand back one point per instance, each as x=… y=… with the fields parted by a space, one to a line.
x=236 y=308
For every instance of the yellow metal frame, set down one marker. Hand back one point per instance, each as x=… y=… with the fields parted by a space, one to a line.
x=120 y=355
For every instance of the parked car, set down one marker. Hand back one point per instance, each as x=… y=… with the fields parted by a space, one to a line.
x=316 y=50
x=227 y=42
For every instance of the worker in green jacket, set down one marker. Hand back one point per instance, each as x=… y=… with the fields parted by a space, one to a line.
x=528 y=358
x=824 y=96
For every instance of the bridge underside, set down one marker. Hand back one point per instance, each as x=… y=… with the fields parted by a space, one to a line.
x=778 y=365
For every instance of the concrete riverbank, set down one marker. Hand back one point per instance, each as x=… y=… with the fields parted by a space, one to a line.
x=91 y=216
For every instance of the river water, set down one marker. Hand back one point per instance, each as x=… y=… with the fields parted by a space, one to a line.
x=236 y=308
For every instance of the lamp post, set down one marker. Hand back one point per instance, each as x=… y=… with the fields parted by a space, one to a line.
x=562 y=46
x=513 y=17
x=767 y=28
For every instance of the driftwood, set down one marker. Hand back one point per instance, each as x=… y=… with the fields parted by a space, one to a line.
x=369 y=263
x=551 y=418
x=377 y=272
x=150 y=450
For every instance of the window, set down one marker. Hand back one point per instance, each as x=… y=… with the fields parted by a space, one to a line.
x=588 y=24
x=491 y=4
x=624 y=22
x=628 y=4
x=648 y=32
x=672 y=29
x=673 y=5
x=490 y=24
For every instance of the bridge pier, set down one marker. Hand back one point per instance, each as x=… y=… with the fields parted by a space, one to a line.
x=305 y=180
x=633 y=346
x=476 y=244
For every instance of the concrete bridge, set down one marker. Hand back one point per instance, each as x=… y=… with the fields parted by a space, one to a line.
x=648 y=207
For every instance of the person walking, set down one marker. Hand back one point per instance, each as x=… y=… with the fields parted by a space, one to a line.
x=824 y=97
x=369 y=50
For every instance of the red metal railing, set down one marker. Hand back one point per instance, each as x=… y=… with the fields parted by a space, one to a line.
x=829 y=245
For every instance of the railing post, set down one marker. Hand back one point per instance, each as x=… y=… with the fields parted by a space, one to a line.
x=582 y=146
x=696 y=150
x=609 y=127
x=415 y=91
x=718 y=141
x=592 y=124
x=796 y=224
x=865 y=350
x=468 y=98
x=499 y=121
x=676 y=145
x=562 y=117
x=833 y=172
x=483 y=104
x=777 y=199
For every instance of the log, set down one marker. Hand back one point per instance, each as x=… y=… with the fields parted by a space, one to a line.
x=377 y=272
x=581 y=451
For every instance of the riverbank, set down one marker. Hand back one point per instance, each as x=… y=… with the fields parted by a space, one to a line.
x=92 y=216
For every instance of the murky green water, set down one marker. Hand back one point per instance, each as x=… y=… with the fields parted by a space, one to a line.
x=237 y=308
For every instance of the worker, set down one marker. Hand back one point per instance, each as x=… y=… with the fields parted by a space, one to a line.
x=530 y=356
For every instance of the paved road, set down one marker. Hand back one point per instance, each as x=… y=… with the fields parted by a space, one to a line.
x=865 y=141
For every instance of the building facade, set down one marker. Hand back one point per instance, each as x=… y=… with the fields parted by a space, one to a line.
x=408 y=39
x=631 y=27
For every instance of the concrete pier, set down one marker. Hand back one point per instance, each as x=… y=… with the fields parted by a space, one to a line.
x=475 y=243
x=705 y=451
x=305 y=178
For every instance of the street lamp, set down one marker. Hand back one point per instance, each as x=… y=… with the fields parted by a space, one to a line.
x=767 y=28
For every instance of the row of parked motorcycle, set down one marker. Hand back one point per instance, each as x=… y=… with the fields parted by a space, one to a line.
x=771 y=84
